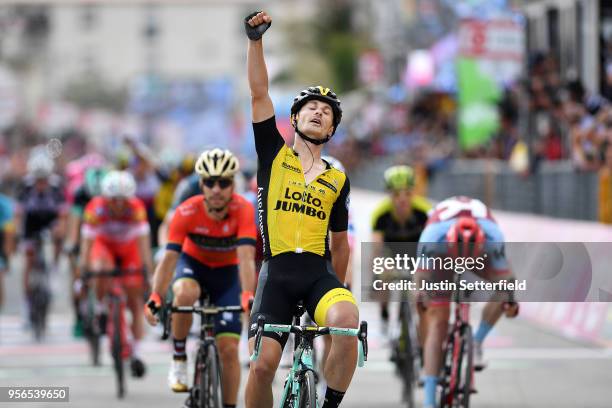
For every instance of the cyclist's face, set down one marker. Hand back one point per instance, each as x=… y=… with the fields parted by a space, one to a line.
x=41 y=184
x=401 y=200
x=217 y=191
x=316 y=119
x=117 y=204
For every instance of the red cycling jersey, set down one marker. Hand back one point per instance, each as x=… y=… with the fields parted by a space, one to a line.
x=210 y=241
x=100 y=221
x=116 y=235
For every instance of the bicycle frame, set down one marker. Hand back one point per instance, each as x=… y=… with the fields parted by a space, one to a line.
x=302 y=357
x=207 y=313
x=460 y=324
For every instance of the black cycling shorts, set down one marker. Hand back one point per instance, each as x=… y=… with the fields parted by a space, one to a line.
x=287 y=279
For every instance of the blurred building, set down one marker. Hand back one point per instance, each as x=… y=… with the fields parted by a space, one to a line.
x=51 y=46
x=576 y=32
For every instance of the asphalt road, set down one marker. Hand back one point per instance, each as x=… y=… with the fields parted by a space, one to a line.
x=528 y=366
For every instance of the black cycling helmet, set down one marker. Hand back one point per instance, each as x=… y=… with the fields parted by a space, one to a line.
x=322 y=94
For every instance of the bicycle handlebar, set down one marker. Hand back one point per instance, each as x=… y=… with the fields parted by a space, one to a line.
x=203 y=310
x=361 y=333
x=207 y=310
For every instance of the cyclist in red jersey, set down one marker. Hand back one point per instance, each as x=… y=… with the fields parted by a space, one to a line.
x=211 y=247
x=115 y=234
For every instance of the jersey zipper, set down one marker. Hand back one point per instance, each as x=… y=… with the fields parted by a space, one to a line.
x=298 y=232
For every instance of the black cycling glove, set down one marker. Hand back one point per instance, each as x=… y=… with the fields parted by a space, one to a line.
x=255 y=33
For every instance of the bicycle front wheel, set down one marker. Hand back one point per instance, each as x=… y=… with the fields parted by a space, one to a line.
x=308 y=391
x=408 y=354
x=466 y=368
x=117 y=346
x=446 y=376
x=209 y=381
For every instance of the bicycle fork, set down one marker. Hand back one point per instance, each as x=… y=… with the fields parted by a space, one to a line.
x=117 y=306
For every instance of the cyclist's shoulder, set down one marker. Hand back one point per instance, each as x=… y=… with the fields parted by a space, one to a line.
x=383 y=208
x=96 y=202
x=491 y=229
x=136 y=203
x=239 y=202
x=421 y=204
x=190 y=206
x=5 y=200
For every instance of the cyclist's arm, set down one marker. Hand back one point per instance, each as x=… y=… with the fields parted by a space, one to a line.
x=89 y=232
x=162 y=231
x=247 y=238
x=258 y=82
x=74 y=225
x=177 y=233
x=378 y=240
x=7 y=226
x=164 y=272
x=85 y=254
x=8 y=243
x=340 y=252
x=144 y=247
x=246 y=267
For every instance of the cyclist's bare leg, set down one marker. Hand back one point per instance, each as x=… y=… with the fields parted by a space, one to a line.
x=437 y=329
x=1 y=288
x=327 y=341
x=58 y=233
x=27 y=267
x=422 y=324
x=228 y=352
x=135 y=302
x=186 y=293
x=102 y=284
x=258 y=392
x=492 y=312
x=342 y=359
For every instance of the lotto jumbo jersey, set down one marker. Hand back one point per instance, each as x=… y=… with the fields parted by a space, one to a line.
x=295 y=216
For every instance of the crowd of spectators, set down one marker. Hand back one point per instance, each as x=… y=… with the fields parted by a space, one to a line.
x=546 y=115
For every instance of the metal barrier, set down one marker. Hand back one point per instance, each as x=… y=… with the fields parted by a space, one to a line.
x=556 y=190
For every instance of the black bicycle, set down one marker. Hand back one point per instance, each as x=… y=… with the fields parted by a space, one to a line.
x=456 y=380
x=39 y=291
x=206 y=391
x=406 y=352
x=115 y=327
x=94 y=326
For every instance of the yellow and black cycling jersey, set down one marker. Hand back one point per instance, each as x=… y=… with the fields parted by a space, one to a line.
x=384 y=221
x=295 y=216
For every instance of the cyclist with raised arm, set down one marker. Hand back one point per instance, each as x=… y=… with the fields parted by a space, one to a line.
x=300 y=199
x=400 y=217
x=459 y=227
x=211 y=248
x=115 y=234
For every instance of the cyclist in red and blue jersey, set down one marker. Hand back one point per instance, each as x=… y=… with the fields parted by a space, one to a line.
x=459 y=227
x=210 y=249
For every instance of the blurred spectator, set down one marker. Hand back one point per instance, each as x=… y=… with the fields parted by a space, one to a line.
x=605 y=187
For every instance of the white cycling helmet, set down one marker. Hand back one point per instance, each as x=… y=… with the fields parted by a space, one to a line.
x=217 y=163
x=40 y=166
x=335 y=163
x=120 y=184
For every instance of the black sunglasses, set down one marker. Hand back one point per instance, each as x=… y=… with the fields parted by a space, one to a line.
x=223 y=182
